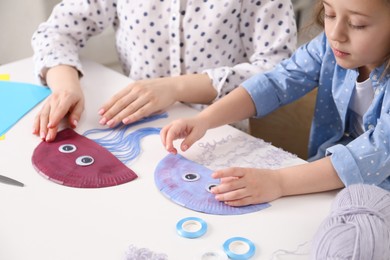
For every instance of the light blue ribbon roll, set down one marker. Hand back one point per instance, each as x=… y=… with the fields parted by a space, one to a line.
x=180 y=227
x=237 y=256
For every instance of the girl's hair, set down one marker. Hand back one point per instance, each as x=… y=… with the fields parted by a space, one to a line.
x=318 y=20
x=318 y=14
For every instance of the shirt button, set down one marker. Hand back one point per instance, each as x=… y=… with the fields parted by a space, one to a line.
x=374 y=77
x=377 y=91
x=370 y=127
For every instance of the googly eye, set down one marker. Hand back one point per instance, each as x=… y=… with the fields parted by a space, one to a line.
x=191 y=176
x=67 y=148
x=210 y=186
x=84 y=160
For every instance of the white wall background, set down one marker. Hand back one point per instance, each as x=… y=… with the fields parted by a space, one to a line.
x=20 y=18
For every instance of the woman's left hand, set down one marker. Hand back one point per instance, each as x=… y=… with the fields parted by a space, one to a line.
x=138 y=100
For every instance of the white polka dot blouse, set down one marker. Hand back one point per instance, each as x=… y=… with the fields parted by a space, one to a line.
x=230 y=40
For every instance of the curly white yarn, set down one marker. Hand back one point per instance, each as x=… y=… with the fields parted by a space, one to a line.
x=135 y=253
x=358 y=227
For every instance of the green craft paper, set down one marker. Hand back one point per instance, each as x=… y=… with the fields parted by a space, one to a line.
x=16 y=99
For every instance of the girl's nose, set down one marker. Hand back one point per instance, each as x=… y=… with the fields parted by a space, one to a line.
x=338 y=31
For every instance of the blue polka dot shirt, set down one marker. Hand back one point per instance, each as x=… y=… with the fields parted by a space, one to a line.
x=363 y=159
x=230 y=40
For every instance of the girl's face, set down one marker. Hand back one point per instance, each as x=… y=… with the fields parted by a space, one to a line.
x=358 y=32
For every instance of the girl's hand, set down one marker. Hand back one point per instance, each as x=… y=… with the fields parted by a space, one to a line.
x=138 y=100
x=66 y=99
x=246 y=186
x=191 y=130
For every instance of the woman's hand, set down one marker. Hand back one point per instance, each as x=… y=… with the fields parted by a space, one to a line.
x=138 y=100
x=66 y=99
x=147 y=97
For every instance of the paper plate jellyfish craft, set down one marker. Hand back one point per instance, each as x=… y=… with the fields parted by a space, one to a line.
x=77 y=161
x=188 y=184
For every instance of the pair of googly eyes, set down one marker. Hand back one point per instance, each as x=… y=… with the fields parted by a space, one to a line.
x=193 y=176
x=83 y=160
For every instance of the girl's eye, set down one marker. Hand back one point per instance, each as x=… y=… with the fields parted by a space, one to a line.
x=190 y=176
x=327 y=16
x=67 y=148
x=84 y=160
x=357 y=27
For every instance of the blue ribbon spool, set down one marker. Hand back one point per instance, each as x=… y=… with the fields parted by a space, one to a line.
x=239 y=241
x=182 y=227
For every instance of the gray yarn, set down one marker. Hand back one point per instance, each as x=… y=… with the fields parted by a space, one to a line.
x=358 y=227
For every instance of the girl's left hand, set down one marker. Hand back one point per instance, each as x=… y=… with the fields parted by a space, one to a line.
x=246 y=186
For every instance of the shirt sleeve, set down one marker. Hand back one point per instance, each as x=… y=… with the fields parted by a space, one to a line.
x=268 y=33
x=58 y=40
x=289 y=80
x=366 y=159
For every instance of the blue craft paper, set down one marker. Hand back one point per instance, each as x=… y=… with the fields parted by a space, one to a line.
x=16 y=99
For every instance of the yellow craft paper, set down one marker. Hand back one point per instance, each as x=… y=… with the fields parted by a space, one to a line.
x=4 y=77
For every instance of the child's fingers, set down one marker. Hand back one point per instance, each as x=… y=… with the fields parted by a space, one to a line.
x=233 y=195
x=51 y=134
x=192 y=134
x=228 y=172
x=240 y=202
x=228 y=186
x=75 y=115
x=43 y=121
x=56 y=114
x=188 y=141
x=167 y=136
x=227 y=179
x=36 y=124
x=163 y=134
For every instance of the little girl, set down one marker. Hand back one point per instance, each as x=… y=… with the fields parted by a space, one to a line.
x=350 y=135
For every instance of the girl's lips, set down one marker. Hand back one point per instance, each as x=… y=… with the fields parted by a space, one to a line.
x=339 y=53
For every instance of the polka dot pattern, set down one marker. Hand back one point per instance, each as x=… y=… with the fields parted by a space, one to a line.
x=365 y=159
x=230 y=40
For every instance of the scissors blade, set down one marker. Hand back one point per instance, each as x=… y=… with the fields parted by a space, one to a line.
x=7 y=180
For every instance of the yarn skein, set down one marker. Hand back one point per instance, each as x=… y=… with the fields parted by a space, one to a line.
x=358 y=227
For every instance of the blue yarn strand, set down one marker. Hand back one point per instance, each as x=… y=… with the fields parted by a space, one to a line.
x=119 y=126
x=126 y=147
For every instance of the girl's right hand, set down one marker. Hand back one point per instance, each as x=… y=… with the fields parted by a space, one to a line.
x=190 y=129
x=67 y=99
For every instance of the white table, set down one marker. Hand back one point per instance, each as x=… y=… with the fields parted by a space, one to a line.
x=48 y=221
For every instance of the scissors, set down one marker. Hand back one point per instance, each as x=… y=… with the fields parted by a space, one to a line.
x=7 y=180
